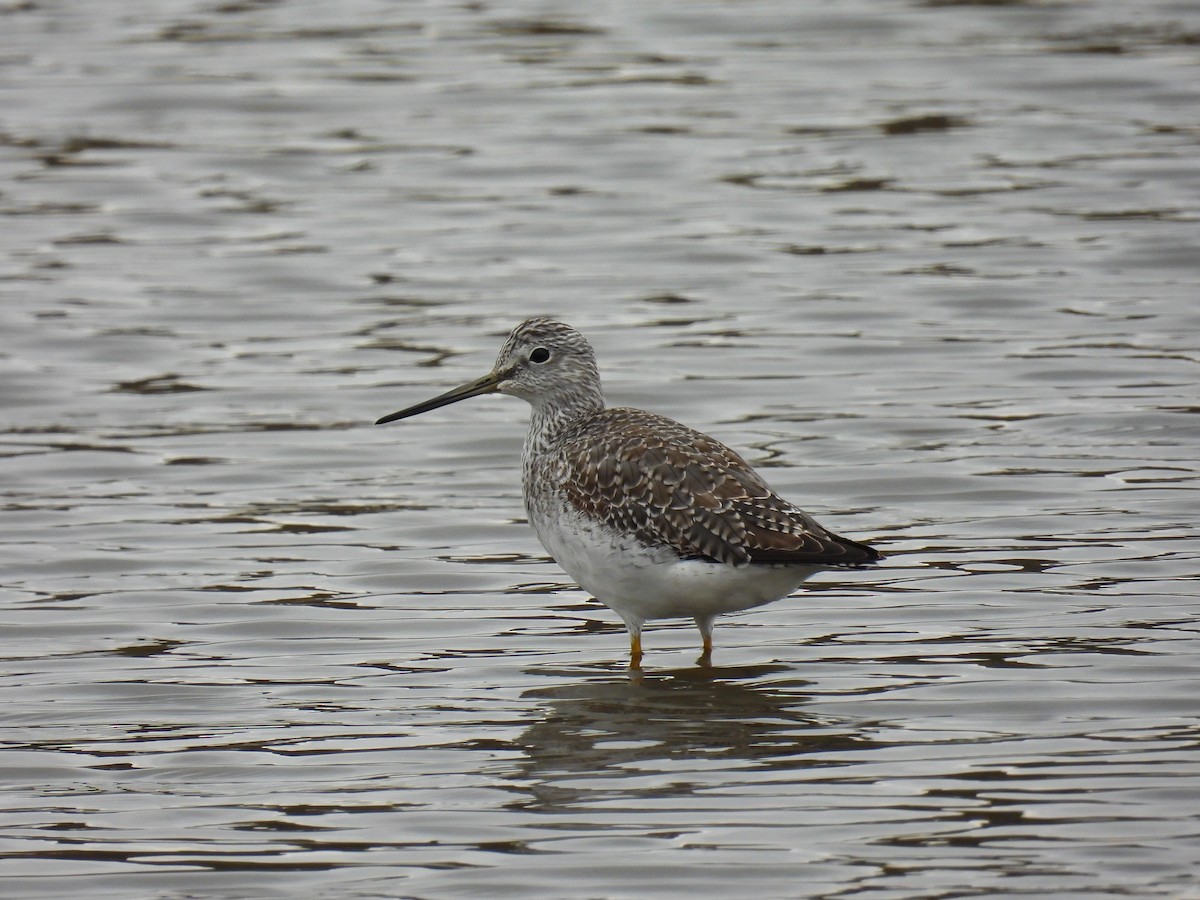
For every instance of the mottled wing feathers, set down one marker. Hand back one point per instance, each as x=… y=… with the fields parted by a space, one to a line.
x=668 y=485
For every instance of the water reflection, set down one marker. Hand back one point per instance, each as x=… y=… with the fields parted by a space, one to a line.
x=597 y=736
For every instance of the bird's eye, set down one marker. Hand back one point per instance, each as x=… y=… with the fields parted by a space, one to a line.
x=539 y=355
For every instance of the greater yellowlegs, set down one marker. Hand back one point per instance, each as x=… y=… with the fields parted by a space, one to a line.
x=655 y=520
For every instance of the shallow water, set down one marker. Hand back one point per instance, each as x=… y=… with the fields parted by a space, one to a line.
x=932 y=265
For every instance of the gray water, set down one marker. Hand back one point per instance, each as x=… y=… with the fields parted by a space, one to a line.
x=931 y=265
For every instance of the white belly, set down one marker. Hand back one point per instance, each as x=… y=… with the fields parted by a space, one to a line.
x=640 y=584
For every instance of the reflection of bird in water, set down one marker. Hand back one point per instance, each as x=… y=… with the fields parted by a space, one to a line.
x=652 y=518
x=667 y=725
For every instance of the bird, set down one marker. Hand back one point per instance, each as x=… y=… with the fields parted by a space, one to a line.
x=652 y=518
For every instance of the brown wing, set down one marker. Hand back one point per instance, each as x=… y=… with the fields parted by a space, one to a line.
x=669 y=485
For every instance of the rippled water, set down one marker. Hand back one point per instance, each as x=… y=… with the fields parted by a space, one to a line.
x=932 y=264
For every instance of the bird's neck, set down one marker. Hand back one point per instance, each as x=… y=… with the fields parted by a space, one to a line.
x=550 y=419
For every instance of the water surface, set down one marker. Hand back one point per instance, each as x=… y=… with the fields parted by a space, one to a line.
x=930 y=265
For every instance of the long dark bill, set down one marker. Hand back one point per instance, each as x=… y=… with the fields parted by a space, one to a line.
x=485 y=385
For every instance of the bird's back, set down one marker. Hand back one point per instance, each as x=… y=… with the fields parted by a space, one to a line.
x=667 y=485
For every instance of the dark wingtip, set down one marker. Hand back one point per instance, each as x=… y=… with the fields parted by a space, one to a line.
x=858 y=554
x=829 y=550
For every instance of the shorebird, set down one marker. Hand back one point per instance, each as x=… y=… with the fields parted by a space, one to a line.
x=653 y=519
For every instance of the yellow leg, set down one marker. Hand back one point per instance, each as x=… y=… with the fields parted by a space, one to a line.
x=705 y=624
x=635 y=649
